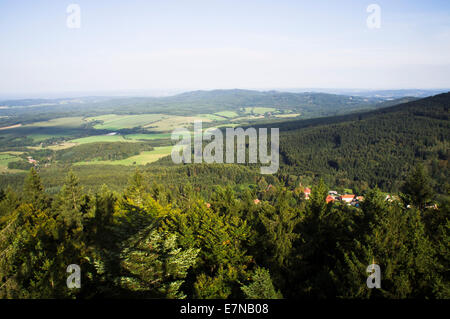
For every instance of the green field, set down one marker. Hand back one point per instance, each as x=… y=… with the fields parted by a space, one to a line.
x=120 y=138
x=43 y=137
x=259 y=110
x=287 y=115
x=101 y=138
x=141 y=159
x=5 y=158
x=212 y=117
x=67 y=122
x=154 y=136
x=117 y=122
x=227 y=114
x=174 y=121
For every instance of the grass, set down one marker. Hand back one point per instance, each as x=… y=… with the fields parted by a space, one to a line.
x=212 y=117
x=56 y=147
x=259 y=110
x=5 y=158
x=141 y=159
x=68 y=122
x=173 y=122
x=100 y=138
x=227 y=114
x=43 y=137
x=248 y=118
x=119 y=138
x=287 y=115
x=154 y=136
x=117 y=122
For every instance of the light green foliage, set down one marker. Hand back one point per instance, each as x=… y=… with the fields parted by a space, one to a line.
x=261 y=286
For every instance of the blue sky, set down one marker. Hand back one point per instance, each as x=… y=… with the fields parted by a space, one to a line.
x=125 y=46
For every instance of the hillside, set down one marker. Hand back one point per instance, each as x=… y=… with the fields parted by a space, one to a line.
x=375 y=148
x=186 y=104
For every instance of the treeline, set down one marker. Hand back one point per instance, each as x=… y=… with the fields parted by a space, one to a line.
x=261 y=242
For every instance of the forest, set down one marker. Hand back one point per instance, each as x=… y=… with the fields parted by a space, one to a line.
x=267 y=241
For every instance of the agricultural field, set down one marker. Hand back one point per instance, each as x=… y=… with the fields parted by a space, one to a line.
x=290 y=115
x=212 y=117
x=154 y=136
x=67 y=132
x=43 y=137
x=172 y=122
x=5 y=158
x=118 y=122
x=259 y=110
x=66 y=122
x=101 y=138
x=141 y=159
x=227 y=114
x=248 y=118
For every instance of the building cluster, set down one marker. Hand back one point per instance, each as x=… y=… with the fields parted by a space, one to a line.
x=31 y=160
x=334 y=196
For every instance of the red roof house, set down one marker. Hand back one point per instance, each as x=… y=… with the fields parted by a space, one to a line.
x=347 y=198
x=330 y=199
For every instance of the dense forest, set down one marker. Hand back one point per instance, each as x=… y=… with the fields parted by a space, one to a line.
x=263 y=242
x=371 y=149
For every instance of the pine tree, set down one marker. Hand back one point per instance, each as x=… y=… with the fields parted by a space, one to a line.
x=261 y=286
x=397 y=242
x=33 y=191
x=155 y=265
x=279 y=227
x=417 y=189
x=72 y=205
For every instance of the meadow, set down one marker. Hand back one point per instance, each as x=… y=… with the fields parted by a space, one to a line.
x=56 y=134
x=174 y=121
x=5 y=158
x=118 y=122
x=100 y=138
x=67 y=122
x=259 y=110
x=227 y=114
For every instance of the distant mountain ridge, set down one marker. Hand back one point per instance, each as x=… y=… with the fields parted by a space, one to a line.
x=308 y=104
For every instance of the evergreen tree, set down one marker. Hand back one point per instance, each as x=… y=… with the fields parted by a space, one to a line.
x=417 y=189
x=33 y=191
x=261 y=286
x=155 y=267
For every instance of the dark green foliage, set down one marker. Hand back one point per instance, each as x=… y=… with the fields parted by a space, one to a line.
x=101 y=151
x=417 y=190
x=20 y=165
x=154 y=266
x=131 y=245
x=379 y=149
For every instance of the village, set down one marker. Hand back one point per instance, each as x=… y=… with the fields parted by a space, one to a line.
x=335 y=196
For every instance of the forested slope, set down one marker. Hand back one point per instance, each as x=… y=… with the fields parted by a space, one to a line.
x=377 y=147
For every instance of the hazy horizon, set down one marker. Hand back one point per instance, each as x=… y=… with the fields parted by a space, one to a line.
x=177 y=46
x=172 y=92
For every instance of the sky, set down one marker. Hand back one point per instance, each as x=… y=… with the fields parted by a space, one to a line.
x=161 y=46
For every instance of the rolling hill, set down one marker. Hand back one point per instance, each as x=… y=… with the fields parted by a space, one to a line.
x=375 y=148
x=186 y=104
